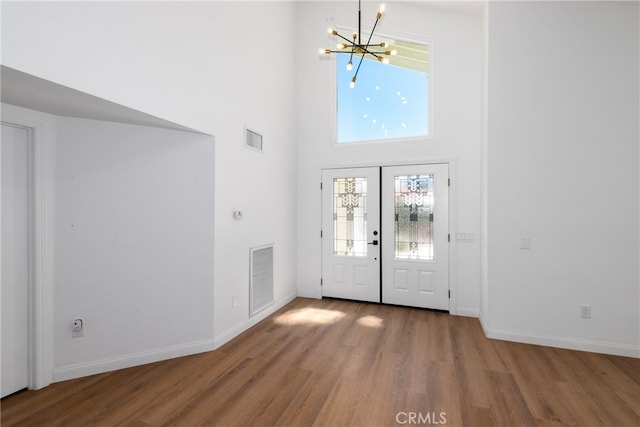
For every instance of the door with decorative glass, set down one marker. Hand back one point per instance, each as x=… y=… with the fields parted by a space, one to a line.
x=351 y=234
x=415 y=250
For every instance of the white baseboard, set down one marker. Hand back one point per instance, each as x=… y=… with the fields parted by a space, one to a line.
x=467 y=312
x=229 y=334
x=121 y=362
x=615 y=349
x=309 y=293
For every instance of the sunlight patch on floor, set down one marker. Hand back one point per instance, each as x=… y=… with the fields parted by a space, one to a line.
x=371 y=321
x=309 y=316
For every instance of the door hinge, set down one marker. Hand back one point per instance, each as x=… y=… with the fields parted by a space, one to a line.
x=321 y=281
x=449 y=238
x=321 y=186
x=449 y=294
x=321 y=234
x=448 y=182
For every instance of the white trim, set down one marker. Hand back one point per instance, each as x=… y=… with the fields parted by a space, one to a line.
x=615 y=349
x=467 y=311
x=42 y=130
x=226 y=336
x=309 y=293
x=453 y=294
x=484 y=192
x=127 y=361
x=395 y=162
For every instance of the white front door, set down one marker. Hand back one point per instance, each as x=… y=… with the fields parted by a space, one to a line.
x=389 y=246
x=351 y=234
x=14 y=154
x=415 y=250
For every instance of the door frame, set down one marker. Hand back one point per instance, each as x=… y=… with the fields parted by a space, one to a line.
x=451 y=162
x=42 y=131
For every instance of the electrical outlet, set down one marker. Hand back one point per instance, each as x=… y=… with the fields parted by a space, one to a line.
x=77 y=328
x=234 y=302
x=585 y=311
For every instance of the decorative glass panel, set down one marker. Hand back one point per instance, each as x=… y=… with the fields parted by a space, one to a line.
x=414 y=217
x=350 y=216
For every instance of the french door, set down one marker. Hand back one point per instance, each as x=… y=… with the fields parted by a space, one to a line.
x=351 y=233
x=385 y=235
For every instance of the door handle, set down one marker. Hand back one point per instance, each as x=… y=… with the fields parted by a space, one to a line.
x=374 y=243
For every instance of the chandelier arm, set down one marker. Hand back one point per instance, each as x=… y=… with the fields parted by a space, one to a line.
x=372 y=31
x=365 y=52
x=359 y=64
x=343 y=37
x=370 y=52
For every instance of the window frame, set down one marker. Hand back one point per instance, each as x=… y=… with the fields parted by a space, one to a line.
x=396 y=35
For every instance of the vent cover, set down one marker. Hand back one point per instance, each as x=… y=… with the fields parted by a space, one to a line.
x=261 y=279
x=252 y=140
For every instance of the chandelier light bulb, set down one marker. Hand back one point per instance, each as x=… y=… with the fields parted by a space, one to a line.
x=349 y=66
x=330 y=30
x=341 y=46
x=353 y=82
x=324 y=51
x=354 y=35
x=394 y=52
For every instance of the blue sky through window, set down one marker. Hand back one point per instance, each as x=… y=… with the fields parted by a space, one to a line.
x=386 y=102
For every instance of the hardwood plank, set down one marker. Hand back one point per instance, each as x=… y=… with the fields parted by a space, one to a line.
x=332 y=363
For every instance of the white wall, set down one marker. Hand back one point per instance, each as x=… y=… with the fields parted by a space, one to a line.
x=563 y=167
x=211 y=66
x=134 y=240
x=457 y=54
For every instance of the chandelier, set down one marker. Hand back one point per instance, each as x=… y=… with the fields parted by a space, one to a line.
x=355 y=48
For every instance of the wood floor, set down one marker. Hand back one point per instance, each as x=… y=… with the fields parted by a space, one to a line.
x=339 y=363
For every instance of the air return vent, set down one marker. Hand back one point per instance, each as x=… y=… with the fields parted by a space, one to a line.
x=261 y=279
x=252 y=140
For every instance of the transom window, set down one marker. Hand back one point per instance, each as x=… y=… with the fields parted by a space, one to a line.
x=388 y=101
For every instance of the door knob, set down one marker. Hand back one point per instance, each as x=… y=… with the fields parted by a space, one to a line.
x=374 y=243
